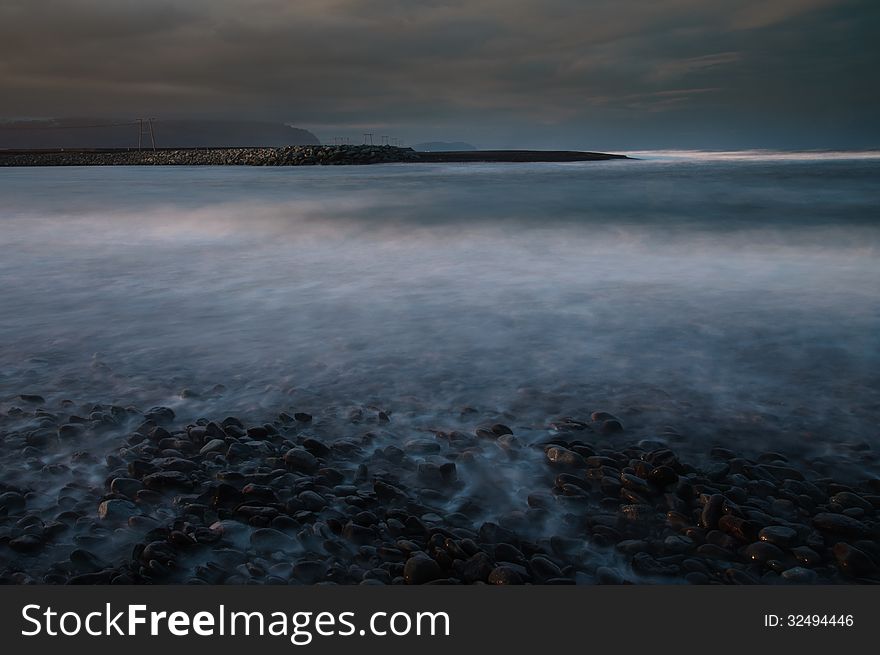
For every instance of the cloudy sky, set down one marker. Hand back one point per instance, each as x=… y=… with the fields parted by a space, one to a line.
x=498 y=73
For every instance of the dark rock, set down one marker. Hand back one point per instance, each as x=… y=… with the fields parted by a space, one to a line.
x=477 y=568
x=853 y=561
x=70 y=430
x=316 y=447
x=762 y=551
x=257 y=432
x=712 y=512
x=116 y=510
x=168 y=480
x=309 y=571
x=160 y=415
x=799 y=575
x=564 y=457
x=662 y=476
x=302 y=417
x=806 y=556
x=841 y=524
x=778 y=535
x=505 y=575
x=420 y=569
x=301 y=460
x=847 y=499
x=739 y=528
x=126 y=486
x=213 y=446
x=160 y=551
x=27 y=543
x=611 y=426
x=11 y=502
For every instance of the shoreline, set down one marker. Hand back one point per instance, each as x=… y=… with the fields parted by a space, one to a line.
x=284 y=156
x=120 y=495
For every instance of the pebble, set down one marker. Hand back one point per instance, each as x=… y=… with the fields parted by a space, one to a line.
x=421 y=569
x=27 y=543
x=799 y=575
x=213 y=446
x=840 y=524
x=168 y=480
x=299 y=459
x=762 y=551
x=662 y=476
x=116 y=510
x=778 y=535
x=564 y=457
x=505 y=575
x=853 y=561
x=269 y=539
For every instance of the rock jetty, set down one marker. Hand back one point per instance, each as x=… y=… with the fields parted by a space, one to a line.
x=284 y=156
x=306 y=155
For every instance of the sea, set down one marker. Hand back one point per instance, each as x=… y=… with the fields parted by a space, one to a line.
x=714 y=299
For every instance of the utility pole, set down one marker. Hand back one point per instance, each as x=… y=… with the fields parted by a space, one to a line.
x=145 y=129
x=368 y=135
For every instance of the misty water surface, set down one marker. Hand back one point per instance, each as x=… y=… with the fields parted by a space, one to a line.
x=733 y=299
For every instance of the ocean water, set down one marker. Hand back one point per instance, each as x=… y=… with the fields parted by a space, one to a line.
x=723 y=299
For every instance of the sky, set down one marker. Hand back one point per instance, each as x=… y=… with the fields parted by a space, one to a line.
x=600 y=74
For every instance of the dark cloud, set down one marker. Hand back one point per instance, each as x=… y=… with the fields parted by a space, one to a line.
x=578 y=73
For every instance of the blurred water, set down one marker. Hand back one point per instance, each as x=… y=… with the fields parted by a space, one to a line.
x=733 y=298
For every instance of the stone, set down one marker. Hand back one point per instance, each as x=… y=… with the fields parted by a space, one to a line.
x=739 y=528
x=611 y=426
x=634 y=483
x=168 y=480
x=711 y=512
x=309 y=571
x=840 y=524
x=301 y=460
x=11 y=502
x=316 y=447
x=27 y=543
x=505 y=575
x=269 y=539
x=312 y=501
x=213 y=446
x=421 y=569
x=778 y=535
x=544 y=569
x=806 y=556
x=564 y=457
x=476 y=568
x=116 y=510
x=662 y=476
x=799 y=575
x=762 y=551
x=853 y=561
x=847 y=499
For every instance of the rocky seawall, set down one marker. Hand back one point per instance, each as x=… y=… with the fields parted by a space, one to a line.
x=284 y=156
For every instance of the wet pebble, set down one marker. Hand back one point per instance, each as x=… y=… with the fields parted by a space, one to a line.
x=420 y=569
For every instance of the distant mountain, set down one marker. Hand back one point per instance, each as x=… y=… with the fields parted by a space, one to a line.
x=443 y=146
x=98 y=133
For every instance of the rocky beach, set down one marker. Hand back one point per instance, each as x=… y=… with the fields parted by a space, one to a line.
x=105 y=494
x=641 y=372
